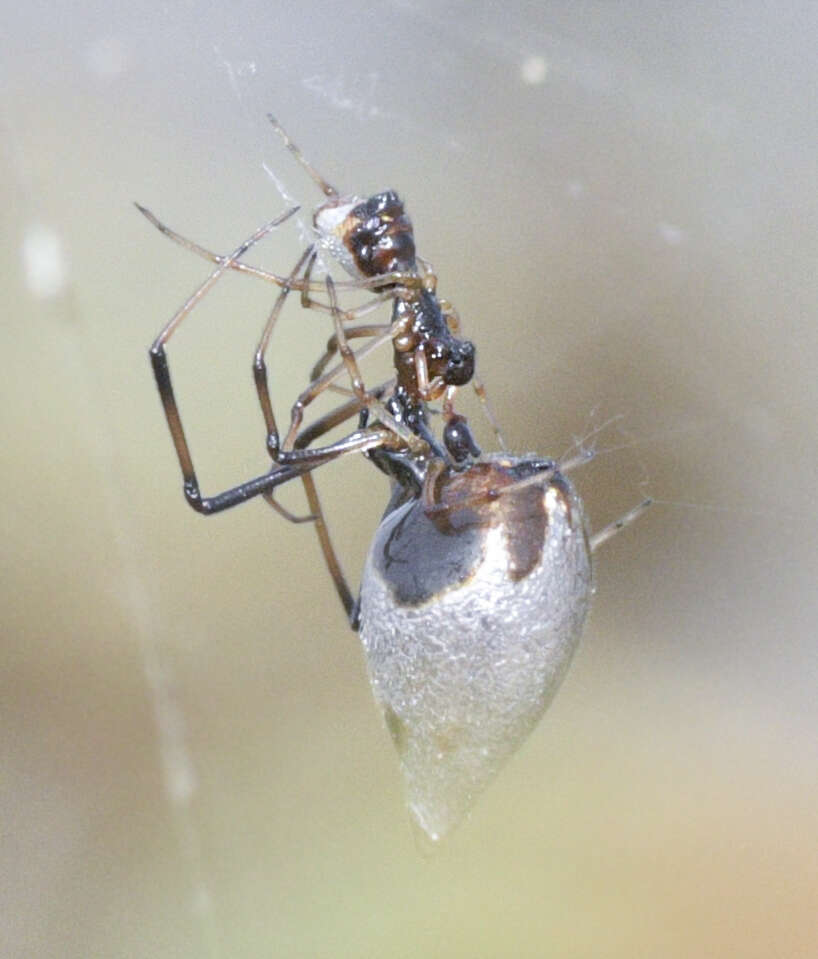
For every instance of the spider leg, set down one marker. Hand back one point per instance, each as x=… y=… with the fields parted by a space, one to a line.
x=269 y=498
x=358 y=441
x=326 y=188
x=328 y=550
x=218 y=258
x=161 y=369
x=259 y=361
x=318 y=428
x=609 y=531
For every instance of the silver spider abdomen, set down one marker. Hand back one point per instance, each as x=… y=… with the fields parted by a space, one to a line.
x=470 y=613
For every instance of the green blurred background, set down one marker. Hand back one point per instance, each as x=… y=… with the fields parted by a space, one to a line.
x=621 y=200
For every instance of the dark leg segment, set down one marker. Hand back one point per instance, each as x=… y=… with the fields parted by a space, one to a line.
x=161 y=370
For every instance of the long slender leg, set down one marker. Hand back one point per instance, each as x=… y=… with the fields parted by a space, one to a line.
x=327 y=422
x=326 y=188
x=325 y=541
x=609 y=531
x=357 y=442
x=259 y=360
x=161 y=370
x=263 y=392
x=237 y=495
x=284 y=513
x=219 y=259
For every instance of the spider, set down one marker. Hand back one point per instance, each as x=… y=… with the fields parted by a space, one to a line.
x=478 y=579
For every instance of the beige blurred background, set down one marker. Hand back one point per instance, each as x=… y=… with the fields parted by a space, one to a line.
x=621 y=200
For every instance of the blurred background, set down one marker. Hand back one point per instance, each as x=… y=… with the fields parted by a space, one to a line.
x=620 y=198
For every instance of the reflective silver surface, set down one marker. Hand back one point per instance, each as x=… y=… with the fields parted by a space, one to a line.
x=463 y=675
